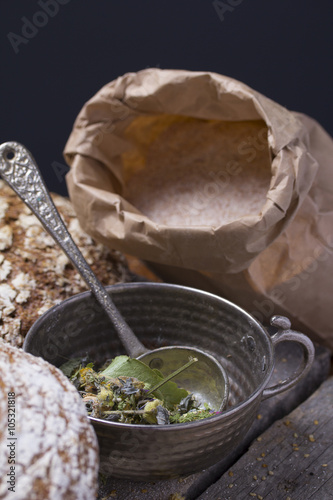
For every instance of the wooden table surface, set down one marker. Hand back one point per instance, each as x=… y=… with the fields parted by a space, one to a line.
x=292 y=459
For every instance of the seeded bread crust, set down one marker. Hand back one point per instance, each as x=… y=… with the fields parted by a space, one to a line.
x=35 y=274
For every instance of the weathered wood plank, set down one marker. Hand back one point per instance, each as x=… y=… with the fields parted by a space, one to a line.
x=292 y=459
x=192 y=486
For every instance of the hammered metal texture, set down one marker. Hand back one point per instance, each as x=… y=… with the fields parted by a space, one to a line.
x=18 y=169
x=162 y=314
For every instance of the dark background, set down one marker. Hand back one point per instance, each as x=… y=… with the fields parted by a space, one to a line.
x=281 y=48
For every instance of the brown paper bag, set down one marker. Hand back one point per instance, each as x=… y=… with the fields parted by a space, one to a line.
x=215 y=185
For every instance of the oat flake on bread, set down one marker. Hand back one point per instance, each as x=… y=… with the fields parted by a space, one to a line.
x=55 y=452
x=35 y=274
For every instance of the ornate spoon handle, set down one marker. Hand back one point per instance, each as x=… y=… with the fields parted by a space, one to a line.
x=18 y=168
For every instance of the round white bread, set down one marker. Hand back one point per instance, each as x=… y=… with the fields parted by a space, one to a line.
x=45 y=435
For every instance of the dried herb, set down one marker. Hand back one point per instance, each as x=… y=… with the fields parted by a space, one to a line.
x=71 y=366
x=186 y=404
x=129 y=391
x=191 y=416
x=162 y=415
x=169 y=392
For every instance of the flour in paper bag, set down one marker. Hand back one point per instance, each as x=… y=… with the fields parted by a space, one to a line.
x=195 y=172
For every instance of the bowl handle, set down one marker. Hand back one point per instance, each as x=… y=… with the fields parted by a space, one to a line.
x=285 y=334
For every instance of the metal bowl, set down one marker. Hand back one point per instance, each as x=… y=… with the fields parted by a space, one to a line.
x=163 y=314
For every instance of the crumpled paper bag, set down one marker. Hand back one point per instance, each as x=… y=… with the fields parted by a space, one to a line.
x=274 y=260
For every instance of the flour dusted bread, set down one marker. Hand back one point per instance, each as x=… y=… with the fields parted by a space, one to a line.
x=35 y=274
x=55 y=453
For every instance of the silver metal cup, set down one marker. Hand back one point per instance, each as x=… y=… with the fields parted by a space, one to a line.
x=161 y=314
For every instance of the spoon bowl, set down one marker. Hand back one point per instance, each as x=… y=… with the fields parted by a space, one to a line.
x=201 y=379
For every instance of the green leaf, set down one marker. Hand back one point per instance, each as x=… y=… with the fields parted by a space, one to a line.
x=128 y=367
x=70 y=366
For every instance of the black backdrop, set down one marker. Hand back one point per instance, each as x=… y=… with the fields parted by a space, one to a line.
x=56 y=54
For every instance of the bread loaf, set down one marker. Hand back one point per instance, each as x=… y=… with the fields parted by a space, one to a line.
x=35 y=274
x=48 y=448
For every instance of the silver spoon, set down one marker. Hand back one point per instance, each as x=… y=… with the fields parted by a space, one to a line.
x=18 y=168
